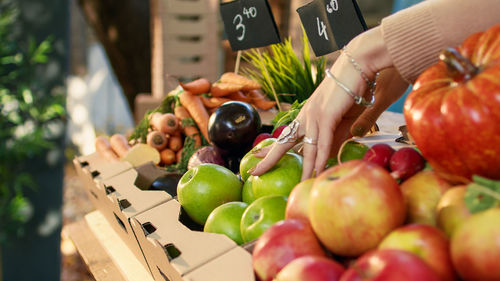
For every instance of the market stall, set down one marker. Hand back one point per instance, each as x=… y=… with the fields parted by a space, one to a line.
x=416 y=198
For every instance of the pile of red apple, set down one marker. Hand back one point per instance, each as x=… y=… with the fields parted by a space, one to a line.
x=382 y=217
x=360 y=221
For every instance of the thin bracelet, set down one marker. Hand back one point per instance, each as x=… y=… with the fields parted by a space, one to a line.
x=371 y=84
x=357 y=99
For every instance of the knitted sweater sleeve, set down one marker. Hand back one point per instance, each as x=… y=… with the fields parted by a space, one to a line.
x=415 y=36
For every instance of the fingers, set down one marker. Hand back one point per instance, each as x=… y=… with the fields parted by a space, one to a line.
x=262 y=152
x=366 y=120
x=309 y=150
x=323 y=149
x=273 y=156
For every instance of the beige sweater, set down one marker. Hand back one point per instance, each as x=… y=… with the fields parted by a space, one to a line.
x=415 y=36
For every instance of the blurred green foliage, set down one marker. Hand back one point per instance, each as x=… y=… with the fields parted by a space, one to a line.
x=31 y=118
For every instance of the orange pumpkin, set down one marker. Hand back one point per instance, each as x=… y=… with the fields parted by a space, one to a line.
x=453 y=112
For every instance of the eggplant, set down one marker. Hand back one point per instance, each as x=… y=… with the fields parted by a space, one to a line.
x=167 y=183
x=234 y=126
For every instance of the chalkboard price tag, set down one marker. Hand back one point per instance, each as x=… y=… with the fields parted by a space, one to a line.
x=249 y=24
x=331 y=24
x=345 y=20
x=317 y=26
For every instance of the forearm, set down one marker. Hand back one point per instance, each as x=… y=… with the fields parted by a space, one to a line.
x=415 y=36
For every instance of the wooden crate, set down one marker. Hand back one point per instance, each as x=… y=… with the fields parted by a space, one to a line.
x=185 y=42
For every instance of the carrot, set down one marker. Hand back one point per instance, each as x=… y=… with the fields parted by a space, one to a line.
x=189 y=130
x=233 y=78
x=175 y=142
x=213 y=101
x=239 y=96
x=119 y=144
x=195 y=107
x=223 y=89
x=197 y=87
x=256 y=94
x=167 y=156
x=178 y=156
x=103 y=147
x=157 y=140
x=264 y=104
x=166 y=123
x=260 y=100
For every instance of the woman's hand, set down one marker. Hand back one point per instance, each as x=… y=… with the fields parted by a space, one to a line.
x=326 y=118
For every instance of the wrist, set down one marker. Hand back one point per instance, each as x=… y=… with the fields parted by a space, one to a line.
x=370 y=51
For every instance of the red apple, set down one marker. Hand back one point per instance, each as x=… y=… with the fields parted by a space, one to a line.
x=311 y=268
x=389 y=265
x=425 y=241
x=475 y=247
x=380 y=153
x=260 y=137
x=354 y=205
x=297 y=206
x=422 y=193
x=277 y=131
x=282 y=243
x=451 y=209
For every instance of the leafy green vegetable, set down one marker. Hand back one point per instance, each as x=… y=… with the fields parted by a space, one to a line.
x=285 y=117
x=482 y=194
x=187 y=151
x=291 y=77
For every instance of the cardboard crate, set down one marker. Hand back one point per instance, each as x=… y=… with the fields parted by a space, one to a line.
x=92 y=169
x=125 y=199
x=233 y=265
x=175 y=252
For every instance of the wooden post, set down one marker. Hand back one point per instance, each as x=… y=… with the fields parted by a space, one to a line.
x=238 y=59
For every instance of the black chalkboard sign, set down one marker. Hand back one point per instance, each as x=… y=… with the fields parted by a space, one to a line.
x=249 y=24
x=317 y=26
x=345 y=20
x=331 y=24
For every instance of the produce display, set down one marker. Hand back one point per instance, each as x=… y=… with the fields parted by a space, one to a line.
x=182 y=124
x=429 y=211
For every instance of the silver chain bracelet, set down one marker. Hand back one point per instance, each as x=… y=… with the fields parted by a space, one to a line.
x=371 y=84
x=357 y=99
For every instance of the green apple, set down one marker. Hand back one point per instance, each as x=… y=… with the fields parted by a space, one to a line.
x=247 y=192
x=261 y=214
x=250 y=160
x=205 y=187
x=281 y=179
x=350 y=150
x=226 y=219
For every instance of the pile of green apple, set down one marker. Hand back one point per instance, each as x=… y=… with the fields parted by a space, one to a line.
x=361 y=221
x=241 y=207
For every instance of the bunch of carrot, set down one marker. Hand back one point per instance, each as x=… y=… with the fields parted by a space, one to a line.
x=167 y=134
x=112 y=149
x=230 y=86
